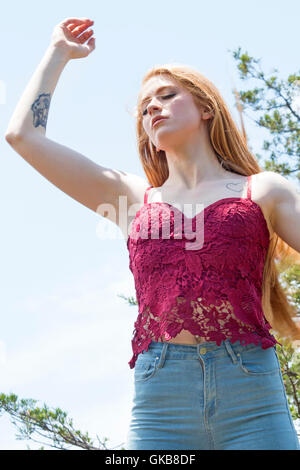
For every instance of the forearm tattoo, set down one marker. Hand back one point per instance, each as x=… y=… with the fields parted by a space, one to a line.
x=40 y=109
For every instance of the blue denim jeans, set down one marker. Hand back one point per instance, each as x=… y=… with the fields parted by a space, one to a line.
x=209 y=397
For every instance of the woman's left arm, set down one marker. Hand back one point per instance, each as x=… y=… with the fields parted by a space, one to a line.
x=285 y=209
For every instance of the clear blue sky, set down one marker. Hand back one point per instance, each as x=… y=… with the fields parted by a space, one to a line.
x=65 y=334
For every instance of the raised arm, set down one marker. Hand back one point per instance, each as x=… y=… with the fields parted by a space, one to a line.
x=67 y=42
x=76 y=175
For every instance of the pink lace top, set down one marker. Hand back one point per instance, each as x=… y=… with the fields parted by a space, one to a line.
x=213 y=290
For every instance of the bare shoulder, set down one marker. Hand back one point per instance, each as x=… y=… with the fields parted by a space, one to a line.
x=269 y=190
x=285 y=197
x=276 y=186
x=262 y=193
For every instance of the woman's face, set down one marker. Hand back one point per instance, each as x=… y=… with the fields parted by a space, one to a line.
x=175 y=103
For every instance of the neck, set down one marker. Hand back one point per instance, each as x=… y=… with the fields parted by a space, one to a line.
x=192 y=163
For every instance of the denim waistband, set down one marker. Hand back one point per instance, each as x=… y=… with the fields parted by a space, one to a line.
x=207 y=349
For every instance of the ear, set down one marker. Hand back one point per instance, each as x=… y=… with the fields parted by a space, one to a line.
x=206 y=112
x=207 y=115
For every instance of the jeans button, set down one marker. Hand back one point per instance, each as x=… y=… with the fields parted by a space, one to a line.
x=202 y=350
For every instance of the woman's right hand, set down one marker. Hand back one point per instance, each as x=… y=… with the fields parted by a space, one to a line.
x=70 y=35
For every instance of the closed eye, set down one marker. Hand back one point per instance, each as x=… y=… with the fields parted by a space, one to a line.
x=164 y=98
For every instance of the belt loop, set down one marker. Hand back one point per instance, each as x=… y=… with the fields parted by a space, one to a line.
x=230 y=351
x=162 y=356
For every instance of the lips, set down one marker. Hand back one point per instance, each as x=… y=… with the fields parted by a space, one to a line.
x=156 y=119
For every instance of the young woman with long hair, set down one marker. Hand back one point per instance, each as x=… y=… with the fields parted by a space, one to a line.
x=203 y=246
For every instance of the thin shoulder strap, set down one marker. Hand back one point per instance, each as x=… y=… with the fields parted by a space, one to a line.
x=146 y=195
x=249 y=187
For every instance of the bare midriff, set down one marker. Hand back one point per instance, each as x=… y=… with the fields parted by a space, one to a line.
x=185 y=337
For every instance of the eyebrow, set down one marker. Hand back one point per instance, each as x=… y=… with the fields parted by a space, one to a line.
x=157 y=91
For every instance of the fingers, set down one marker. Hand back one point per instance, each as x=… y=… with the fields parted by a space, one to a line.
x=76 y=28
x=73 y=26
x=79 y=29
x=85 y=36
x=75 y=21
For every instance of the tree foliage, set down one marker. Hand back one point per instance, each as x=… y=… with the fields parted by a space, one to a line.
x=53 y=426
x=276 y=108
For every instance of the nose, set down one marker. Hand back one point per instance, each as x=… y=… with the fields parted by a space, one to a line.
x=152 y=105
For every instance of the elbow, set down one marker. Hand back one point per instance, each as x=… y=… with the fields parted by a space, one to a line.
x=12 y=138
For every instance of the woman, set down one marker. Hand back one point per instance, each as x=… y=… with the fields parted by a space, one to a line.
x=207 y=375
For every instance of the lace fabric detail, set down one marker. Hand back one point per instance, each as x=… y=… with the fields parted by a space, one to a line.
x=214 y=291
